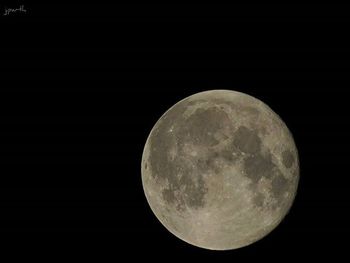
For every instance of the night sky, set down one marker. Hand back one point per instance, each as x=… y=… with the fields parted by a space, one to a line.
x=81 y=86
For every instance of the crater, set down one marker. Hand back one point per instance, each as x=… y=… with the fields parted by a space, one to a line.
x=250 y=110
x=259 y=199
x=257 y=166
x=288 y=158
x=201 y=126
x=196 y=129
x=189 y=188
x=214 y=160
x=168 y=195
x=161 y=142
x=227 y=154
x=279 y=185
x=194 y=193
x=247 y=140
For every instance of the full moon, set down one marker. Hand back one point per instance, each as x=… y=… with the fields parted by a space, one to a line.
x=220 y=169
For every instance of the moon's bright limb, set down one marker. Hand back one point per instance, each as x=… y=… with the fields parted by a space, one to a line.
x=220 y=169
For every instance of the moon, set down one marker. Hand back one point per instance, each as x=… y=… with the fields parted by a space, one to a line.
x=220 y=169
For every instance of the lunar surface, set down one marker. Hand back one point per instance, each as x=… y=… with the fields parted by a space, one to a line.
x=220 y=169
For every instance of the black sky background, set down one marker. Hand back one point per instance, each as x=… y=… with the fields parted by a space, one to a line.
x=82 y=86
